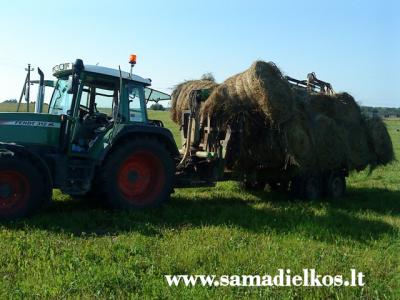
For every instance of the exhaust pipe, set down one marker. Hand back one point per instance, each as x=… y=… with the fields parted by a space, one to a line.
x=40 y=95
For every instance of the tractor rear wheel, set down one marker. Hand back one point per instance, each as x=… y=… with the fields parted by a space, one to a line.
x=138 y=174
x=22 y=187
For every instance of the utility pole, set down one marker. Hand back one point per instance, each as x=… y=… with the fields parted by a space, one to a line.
x=28 y=90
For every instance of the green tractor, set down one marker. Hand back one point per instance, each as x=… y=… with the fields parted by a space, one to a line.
x=95 y=139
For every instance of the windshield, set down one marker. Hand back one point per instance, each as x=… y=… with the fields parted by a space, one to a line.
x=155 y=96
x=61 y=100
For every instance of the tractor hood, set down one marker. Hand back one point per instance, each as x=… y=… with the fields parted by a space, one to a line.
x=30 y=128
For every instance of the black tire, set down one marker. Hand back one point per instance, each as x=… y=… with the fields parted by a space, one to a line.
x=335 y=185
x=296 y=187
x=312 y=188
x=138 y=174
x=281 y=187
x=23 y=187
x=306 y=188
x=252 y=185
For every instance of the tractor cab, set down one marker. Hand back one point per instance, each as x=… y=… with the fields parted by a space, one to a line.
x=92 y=100
x=94 y=103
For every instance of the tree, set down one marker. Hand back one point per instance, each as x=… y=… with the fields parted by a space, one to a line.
x=208 y=76
x=10 y=101
x=157 y=106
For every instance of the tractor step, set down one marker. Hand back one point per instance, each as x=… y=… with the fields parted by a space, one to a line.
x=79 y=177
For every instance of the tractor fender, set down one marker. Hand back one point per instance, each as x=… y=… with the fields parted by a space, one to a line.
x=134 y=131
x=9 y=149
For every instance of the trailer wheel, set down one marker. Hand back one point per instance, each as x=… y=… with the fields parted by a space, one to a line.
x=336 y=185
x=312 y=188
x=138 y=174
x=252 y=185
x=22 y=187
x=306 y=187
x=296 y=187
x=281 y=186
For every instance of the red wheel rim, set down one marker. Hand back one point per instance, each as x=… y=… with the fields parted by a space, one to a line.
x=14 y=191
x=141 y=178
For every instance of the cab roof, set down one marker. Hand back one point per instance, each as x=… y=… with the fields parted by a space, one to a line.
x=115 y=73
x=65 y=69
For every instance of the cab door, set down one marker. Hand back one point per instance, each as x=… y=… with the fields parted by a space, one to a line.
x=137 y=112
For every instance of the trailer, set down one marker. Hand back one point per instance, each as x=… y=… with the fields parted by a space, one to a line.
x=207 y=152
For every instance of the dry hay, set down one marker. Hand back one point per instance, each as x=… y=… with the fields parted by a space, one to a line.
x=347 y=108
x=330 y=143
x=341 y=107
x=298 y=141
x=346 y=133
x=360 y=155
x=380 y=141
x=259 y=88
x=286 y=128
x=256 y=146
x=180 y=96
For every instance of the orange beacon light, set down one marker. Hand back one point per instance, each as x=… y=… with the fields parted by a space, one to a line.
x=132 y=59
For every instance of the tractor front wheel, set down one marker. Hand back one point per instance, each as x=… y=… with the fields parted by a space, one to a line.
x=138 y=174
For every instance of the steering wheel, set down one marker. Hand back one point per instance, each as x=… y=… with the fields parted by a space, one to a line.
x=83 y=110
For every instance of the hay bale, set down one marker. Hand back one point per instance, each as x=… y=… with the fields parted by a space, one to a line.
x=341 y=107
x=347 y=109
x=322 y=105
x=348 y=131
x=260 y=144
x=380 y=141
x=298 y=141
x=331 y=145
x=180 y=96
x=260 y=88
x=360 y=154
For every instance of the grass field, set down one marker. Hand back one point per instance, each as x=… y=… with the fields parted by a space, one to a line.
x=74 y=249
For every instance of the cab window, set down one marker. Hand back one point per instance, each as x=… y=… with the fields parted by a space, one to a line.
x=136 y=103
x=99 y=99
x=105 y=99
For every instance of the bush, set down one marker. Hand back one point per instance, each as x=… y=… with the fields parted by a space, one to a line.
x=157 y=106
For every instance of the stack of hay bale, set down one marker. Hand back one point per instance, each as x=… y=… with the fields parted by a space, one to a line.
x=288 y=128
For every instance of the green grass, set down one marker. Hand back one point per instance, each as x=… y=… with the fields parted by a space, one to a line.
x=164 y=117
x=73 y=249
x=12 y=107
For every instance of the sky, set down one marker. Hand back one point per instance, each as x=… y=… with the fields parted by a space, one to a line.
x=354 y=45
